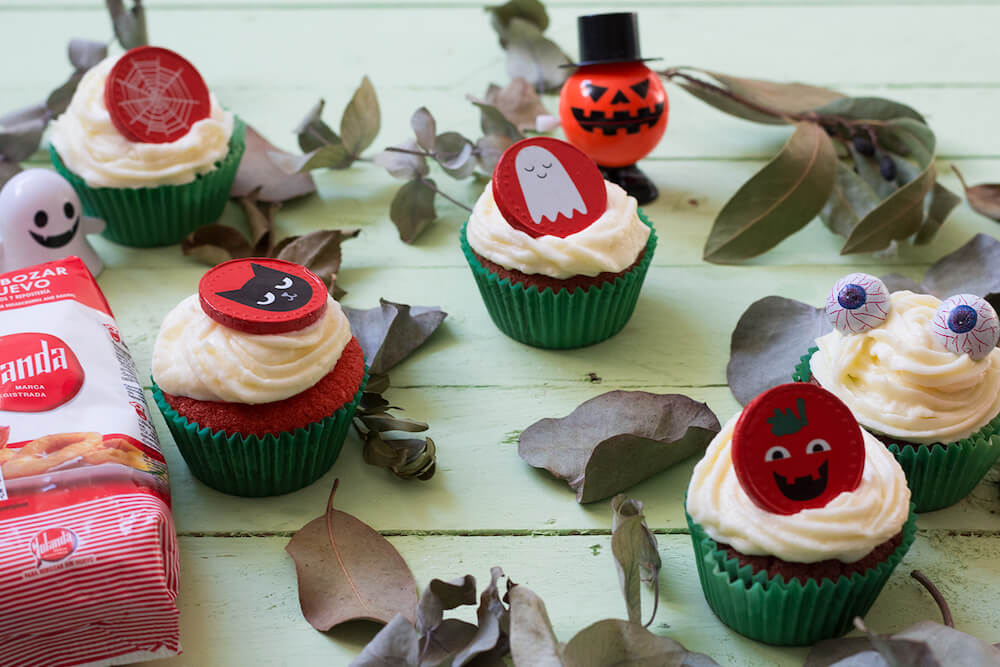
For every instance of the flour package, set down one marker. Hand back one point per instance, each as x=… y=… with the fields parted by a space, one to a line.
x=88 y=552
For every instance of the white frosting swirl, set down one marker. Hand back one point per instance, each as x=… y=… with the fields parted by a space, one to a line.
x=197 y=357
x=847 y=529
x=896 y=381
x=91 y=146
x=612 y=243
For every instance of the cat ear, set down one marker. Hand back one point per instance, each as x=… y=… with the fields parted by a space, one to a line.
x=259 y=269
x=232 y=295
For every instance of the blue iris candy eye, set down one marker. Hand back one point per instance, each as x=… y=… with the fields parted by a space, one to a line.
x=857 y=303
x=966 y=324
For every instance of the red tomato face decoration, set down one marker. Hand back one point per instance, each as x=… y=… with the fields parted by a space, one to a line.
x=614 y=113
x=796 y=447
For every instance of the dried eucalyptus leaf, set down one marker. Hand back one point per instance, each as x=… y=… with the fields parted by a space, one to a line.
x=391 y=332
x=974 y=269
x=440 y=596
x=259 y=170
x=532 y=11
x=32 y=112
x=767 y=342
x=406 y=458
x=377 y=382
x=85 y=53
x=320 y=251
x=901 y=215
x=404 y=165
x=8 y=170
x=447 y=639
x=488 y=151
x=616 y=642
x=260 y=219
x=616 y=440
x=383 y=423
x=534 y=57
x=870 y=108
x=938 y=204
x=412 y=209
x=493 y=620
x=950 y=646
x=778 y=200
x=129 y=25
x=330 y=156
x=215 y=243
x=636 y=556
x=868 y=170
x=19 y=141
x=984 y=198
x=851 y=200
x=452 y=150
x=518 y=102
x=424 y=127
x=494 y=123
x=395 y=645
x=532 y=640
x=58 y=100
x=347 y=571
x=360 y=123
x=312 y=132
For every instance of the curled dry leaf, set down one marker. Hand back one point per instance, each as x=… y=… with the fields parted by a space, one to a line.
x=534 y=57
x=939 y=204
x=532 y=11
x=532 y=640
x=313 y=132
x=396 y=644
x=779 y=200
x=347 y=571
x=926 y=644
x=318 y=251
x=424 y=128
x=983 y=198
x=636 y=556
x=491 y=638
x=259 y=170
x=495 y=124
x=618 y=439
x=616 y=642
x=391 y=332
x=215 y=243
x=129 y=24
x=518 y=101
x=402 y=162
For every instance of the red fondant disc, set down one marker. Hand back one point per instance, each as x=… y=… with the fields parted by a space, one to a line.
x=262 y=296
x=547 y=187
x=154 y=95
x=796 y=447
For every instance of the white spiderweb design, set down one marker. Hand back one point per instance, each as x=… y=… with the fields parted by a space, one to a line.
x=979 y=341
x=866 y=317
x=156 y=97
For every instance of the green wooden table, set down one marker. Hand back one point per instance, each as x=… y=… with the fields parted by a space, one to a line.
x=270 y=61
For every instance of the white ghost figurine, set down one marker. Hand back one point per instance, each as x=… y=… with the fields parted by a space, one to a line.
x=41 y=220
x=548 y=189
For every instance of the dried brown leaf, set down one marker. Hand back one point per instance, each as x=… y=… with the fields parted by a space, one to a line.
x=320 y=251
x=636 y=556
x=518 y=102
x=983 y=198
x=360 y=123
x=391 y=332
x=213 y=244
x=260 y=168
x=412 y=208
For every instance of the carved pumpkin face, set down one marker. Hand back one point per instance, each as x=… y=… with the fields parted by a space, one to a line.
x=614 y=113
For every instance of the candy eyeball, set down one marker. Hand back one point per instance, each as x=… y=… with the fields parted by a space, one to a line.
x=967 y=324
x=857 y=303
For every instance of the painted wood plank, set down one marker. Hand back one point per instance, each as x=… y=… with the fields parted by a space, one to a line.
x=239 y=601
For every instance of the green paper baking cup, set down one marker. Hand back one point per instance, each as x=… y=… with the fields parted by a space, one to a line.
x=774 y=611
x=565 y=319
x=162 y=215
x=260 y=466
x=939 y=474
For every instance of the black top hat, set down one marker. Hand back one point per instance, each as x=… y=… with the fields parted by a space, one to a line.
x=609 y=38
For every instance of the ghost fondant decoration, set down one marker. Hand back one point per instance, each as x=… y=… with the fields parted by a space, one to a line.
x=795 y=447
x=547 y=187
x=41 y=220
x=966 y=324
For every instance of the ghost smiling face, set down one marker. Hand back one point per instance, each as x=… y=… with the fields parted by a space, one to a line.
x=41 y=219
x=548 y=190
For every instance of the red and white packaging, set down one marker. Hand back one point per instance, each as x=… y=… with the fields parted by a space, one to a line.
x=88 y=551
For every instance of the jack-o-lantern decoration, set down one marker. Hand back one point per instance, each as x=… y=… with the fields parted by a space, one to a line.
x=613 y=107
x=616 y=114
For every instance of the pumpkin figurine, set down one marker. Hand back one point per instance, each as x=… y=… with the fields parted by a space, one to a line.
x=613 y=107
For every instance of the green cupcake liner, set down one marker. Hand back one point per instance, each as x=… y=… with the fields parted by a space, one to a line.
x=939 y=474
x=162 y=215
x=565 y=319
x=260 y=466
x=773 y=611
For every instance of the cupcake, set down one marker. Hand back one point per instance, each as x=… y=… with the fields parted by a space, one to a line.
x=558 y=253
x=923 y=375
x=258 y=377
x=147 y=147
x=797 y=516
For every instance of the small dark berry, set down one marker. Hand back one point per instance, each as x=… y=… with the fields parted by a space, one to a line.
x=863 y=145
x=887 y=168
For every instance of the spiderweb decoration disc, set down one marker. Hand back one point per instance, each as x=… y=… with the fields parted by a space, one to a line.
x=154 y=95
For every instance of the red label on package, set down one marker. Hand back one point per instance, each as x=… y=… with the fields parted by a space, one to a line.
x=262 y=296
x=154 y=95
x=86 y=535
x=547 y=187
x=796 y=447
x=38 y=372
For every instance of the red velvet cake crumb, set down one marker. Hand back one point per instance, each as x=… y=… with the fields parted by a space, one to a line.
x=542 y=282
x=334 y=390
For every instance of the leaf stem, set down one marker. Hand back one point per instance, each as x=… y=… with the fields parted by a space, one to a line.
x=961 y=179
x=430 y=186
x=407 y=151
x=936 y=594
x=656 y=601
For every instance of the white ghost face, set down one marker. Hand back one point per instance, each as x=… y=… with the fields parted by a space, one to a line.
x=39 y=208
x=548 y=190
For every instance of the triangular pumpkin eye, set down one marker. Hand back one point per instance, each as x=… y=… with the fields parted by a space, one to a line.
x=641 y=88
x=619 y=98
x=595 y=92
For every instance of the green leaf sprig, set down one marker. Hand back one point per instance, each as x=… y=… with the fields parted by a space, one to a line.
x=865 y=165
